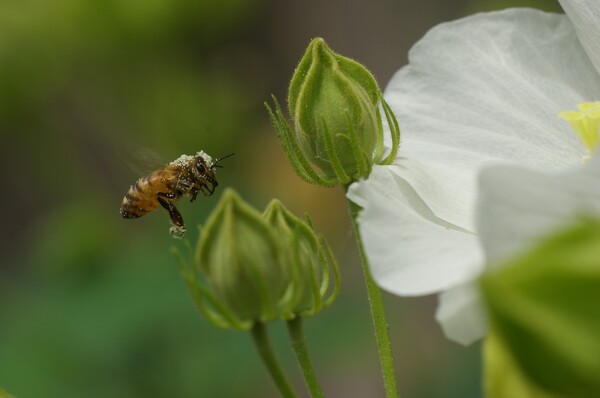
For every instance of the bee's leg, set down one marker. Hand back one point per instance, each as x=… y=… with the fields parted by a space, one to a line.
x=201 y=187
x=176 y=218
x=206 y=190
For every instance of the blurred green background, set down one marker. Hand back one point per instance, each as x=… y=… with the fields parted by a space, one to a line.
x=92 y=305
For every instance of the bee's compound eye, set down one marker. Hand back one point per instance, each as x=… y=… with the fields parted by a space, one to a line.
x=200 y=167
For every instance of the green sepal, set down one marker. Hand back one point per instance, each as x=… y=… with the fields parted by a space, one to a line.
x=309 y=260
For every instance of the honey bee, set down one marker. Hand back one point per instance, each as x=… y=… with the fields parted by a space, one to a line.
x=186 y=175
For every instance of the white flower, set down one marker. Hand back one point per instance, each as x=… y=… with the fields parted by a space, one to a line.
x=481 y=91
x=518 y=207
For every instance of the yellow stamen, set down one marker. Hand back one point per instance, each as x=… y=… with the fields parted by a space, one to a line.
x=585 y=123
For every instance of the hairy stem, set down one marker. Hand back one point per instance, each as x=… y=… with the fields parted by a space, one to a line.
x=266 y=353
x=382 y=336
x=298 y=341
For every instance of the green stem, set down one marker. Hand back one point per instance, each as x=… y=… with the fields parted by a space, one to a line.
x=298 y=340
x=382 y=336
x=265 y=351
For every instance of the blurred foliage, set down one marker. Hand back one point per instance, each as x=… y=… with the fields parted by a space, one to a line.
x=4 y=394
x=503 y=377
x=543 y=308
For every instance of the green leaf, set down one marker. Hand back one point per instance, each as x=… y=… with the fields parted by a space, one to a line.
x=544 y=306
x=4 y=394
x=503 y=378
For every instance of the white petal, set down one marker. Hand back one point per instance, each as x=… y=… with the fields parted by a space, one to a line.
x=517 y=207
x=411 y=251
x=493 y=84
x=585 y=15
x=488 y=89
x=461 y=314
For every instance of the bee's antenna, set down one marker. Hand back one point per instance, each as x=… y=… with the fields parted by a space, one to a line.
x=221 y=158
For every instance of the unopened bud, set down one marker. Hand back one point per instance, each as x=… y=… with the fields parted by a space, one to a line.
x=335 y=106
x=251 y=267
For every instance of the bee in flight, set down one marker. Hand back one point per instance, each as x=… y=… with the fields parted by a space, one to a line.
x=186 y=175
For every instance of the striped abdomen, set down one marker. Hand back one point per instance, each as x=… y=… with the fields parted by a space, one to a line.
x=141 y=197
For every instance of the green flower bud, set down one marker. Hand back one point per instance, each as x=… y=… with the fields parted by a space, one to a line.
x=333 y=93
x=543 y=310
x=239 y=257
x=334 y=103
x=250 y=267
x=308 y=257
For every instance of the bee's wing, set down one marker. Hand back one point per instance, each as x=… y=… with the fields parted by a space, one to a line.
x=142 y=161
